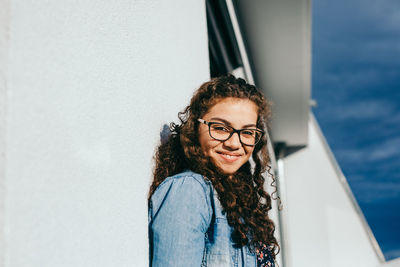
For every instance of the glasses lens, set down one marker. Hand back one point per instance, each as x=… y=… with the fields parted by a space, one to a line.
x=250 y=136
x=220 y=131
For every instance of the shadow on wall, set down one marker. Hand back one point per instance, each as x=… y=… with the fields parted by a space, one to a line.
x=165 y=133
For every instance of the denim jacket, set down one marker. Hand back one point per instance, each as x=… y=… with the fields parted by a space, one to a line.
x=187 y=226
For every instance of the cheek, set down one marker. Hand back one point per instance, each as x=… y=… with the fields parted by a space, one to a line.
x=202 y=140
x=205 y=142
x=249 y=152
x=207 y=145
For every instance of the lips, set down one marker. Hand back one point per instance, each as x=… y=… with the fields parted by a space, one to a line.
x=229 y=157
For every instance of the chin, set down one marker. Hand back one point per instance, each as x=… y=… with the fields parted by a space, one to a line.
x=225 y=168
x=228 y=170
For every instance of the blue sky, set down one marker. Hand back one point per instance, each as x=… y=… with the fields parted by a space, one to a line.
x=356 y=83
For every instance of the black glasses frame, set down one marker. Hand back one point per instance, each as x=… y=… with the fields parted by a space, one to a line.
x=209 y=123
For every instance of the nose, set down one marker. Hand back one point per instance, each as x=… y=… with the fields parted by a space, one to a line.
x=233 y=142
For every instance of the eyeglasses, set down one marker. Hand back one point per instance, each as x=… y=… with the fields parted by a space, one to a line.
x=222 y=132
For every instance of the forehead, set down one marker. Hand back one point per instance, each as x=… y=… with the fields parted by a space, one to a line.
x=236 y=111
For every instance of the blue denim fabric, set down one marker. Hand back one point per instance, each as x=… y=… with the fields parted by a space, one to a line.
x=187 y=226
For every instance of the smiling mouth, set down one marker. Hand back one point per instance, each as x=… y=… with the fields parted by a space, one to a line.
x=228 y=157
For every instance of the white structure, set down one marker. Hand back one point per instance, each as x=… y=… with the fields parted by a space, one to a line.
x=85 y=88
x=321 y=217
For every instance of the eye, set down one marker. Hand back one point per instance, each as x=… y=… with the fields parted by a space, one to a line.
x=220 y=128
x=248 y=132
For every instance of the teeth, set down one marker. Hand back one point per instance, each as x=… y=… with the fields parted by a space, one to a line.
x=230 y=156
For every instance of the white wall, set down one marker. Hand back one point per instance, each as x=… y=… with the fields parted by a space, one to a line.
x=4 y=12
x=278 y=38
x=323 y=227
x=85 y=89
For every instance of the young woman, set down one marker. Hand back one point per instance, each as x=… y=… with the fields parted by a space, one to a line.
x=207 y=204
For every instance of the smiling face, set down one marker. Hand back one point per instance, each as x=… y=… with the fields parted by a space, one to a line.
x=231 y=154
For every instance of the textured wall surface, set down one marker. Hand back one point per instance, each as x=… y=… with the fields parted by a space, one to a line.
x=4 y=23
x=87 y=86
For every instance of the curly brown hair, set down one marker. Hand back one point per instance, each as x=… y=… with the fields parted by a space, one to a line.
x=242 y=196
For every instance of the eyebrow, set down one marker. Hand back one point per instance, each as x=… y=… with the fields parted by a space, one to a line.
x=229 y=124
